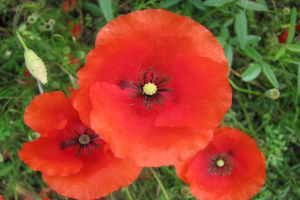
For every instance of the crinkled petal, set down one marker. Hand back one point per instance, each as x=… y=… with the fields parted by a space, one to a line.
x=201 y=94
x=49 y=111
x=101 y=175
x=46 y=155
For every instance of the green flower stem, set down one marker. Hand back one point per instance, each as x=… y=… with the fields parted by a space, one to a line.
x=21 y=40
x=129 y=196
x=164 y=191
x=243 y=90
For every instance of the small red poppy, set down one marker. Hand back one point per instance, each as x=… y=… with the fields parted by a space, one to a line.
x=154 y=86
x=68 y=5
x=230 y=167
x=72 y=158
x=284 y=35
x=1 y=198
x=76 y=30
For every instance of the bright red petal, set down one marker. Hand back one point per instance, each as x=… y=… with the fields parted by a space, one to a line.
x=49 y=111
x=201 y=95
x=101 y=174
x=46 y=155
x=131 y=133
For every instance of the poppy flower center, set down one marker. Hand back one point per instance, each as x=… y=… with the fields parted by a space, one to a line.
x=84 y=141
x=221 y=164
x=149 y=88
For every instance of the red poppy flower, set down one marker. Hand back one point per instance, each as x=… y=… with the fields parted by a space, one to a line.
x=69 y=5
x=284 y=35
x=230 y=167
x=76 y=30
x=157 y=81
x=73 y=159
x=1 y=198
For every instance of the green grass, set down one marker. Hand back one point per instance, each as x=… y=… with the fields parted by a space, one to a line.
x=258 y=63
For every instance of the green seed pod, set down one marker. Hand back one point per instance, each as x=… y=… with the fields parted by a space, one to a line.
x=272 y=93
x=36 y=66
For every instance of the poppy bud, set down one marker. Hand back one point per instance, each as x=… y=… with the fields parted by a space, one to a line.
x=36 y=66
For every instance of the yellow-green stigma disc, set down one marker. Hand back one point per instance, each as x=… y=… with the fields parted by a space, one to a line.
x=149 y=89
x=220 y=163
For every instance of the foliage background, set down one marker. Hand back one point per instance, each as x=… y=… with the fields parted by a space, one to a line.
x=248 y=31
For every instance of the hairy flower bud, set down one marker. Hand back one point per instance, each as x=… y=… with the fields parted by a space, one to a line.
x=36 y=66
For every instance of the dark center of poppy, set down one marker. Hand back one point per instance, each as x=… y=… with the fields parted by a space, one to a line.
x=84 y=141
x=221 y=164
x=148 y=88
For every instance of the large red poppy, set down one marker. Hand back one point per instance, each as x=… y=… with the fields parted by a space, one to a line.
x=231 y=167
x=72 y=158
x=154 y=86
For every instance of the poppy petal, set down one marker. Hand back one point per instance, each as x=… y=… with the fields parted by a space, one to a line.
x=196 y=102
x=101 y=174
x=155 y=26
x=152 y=146
x=46 y=155
x=49 y=111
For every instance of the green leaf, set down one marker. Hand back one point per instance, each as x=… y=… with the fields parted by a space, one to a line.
x=252 y=72
x=293 y=47
x=198 y=4
x=229 y=54
x=251 y=5
x=291 y=34
x=5 y=170
x=268 y=71
x=168 y=3
x=93 y=9
x=240 y=27
x=217 y=3
x=252 y=39
x=106 y=8
x=280 y=52
x=298 y=80
x=252 y=53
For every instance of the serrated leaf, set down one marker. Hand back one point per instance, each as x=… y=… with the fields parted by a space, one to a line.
x=229 y=54
x=251 y=5
x=269 y=73
x=217 y=3
x=252 y=53
x=106 y=8
x=198 y=4
x=93 y=9
x=168 y=3
x=240 y=27
x=293 y=47
x=252 y=72
x=291 y=33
